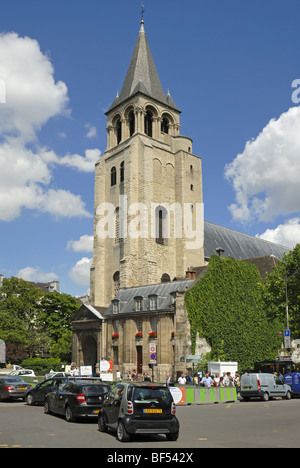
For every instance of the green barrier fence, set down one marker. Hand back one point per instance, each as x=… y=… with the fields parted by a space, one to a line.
x=198 y=395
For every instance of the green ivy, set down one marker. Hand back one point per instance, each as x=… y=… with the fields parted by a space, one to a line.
x=225 y=307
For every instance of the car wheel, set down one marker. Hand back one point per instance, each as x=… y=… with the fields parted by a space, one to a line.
x=265 y=396
x=288 y=395
x=173 y=436
x=122 y=434
x=69 y=414
x=47 y=407
x=101 y=424
x=30 y=400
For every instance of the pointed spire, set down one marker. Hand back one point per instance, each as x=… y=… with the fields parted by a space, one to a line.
x=142 y=76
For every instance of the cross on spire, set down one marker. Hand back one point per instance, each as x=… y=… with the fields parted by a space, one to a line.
x=142 y=13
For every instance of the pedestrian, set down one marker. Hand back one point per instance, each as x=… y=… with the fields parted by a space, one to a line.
x=182 y=380
x=188 y=379
x=168 y=380
x=207 y=380
x=222 y=385
x=237 y=381
x=146 y=377
x=217 y=380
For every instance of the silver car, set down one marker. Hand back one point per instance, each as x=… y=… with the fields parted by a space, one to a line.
x=12 y=387
x=263 y=386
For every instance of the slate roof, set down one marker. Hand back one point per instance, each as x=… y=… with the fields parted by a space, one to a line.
x=142 y=76
x=162 y=290
x=238 y=245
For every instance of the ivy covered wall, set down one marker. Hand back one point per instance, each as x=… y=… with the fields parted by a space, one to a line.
x=225 y=307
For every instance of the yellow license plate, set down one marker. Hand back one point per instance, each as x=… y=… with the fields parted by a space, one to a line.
x=96 y=411
x=247 y=388
x=21 y=388
x=152 y=410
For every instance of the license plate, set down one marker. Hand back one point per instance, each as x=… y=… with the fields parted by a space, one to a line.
x=152 y=410
x=96 y=411
x=21 y=388
x=247 y=388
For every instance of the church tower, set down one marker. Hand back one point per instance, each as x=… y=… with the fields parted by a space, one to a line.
x=148 y=188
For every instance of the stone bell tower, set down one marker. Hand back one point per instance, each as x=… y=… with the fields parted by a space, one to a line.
x=148 y=224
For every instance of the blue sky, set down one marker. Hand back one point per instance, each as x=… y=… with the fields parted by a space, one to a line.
x=229 y=65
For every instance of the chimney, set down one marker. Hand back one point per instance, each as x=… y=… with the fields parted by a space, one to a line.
x=190 y=273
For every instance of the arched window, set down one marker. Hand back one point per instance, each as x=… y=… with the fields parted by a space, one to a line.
x=119 y=131
x=162 y=225
x=116 y=280
x=122 y=171
x=131 y=119
x=148 y=123
x=165 y=278
x=113 y=176
x=165 y=125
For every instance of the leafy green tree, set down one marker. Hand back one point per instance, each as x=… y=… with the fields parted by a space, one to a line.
x=55 y=312
x=19 y=307
x=63 y=348
x=225 y=307
x=286 y=276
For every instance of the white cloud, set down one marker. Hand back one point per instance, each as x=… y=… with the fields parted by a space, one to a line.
x=80 y=273
x=84 y=164
x=32 y=97
x=265 y=176
x=287 y=234
x=92 y=131
x=36 y=275
x=84 y=244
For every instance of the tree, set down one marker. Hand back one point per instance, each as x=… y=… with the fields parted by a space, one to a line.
x=225 y=307
x=19 y=302
x=63 y=348
x=285 y=275
x=55 y=312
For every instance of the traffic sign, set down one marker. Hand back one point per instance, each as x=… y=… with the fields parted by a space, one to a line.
x=152 y=347
x=194 y=358
x=287 y=339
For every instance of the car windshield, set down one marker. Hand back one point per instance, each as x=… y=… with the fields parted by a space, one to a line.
x=95 y=389
x=151 y=395
x=13 y=380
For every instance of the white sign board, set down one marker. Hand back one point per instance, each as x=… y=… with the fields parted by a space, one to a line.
x=152 y=348
x=86 y=371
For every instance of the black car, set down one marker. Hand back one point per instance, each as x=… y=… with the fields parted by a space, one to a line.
x=36 y=395
x=77 y=398
x=132 y=408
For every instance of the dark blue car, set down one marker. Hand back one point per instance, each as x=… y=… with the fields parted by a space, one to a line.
x=293 y=380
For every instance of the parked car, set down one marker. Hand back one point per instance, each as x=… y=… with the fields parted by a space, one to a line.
x=293 y=380
x=23 y=373
x=37 y=394
x=132 y=408
x=77 y=398
x=264 y=386
x=51 y=375
x=12 y=387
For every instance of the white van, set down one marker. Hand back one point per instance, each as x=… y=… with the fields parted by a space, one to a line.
x=263 y=386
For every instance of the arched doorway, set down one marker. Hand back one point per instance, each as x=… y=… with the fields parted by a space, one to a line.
x=89 y=351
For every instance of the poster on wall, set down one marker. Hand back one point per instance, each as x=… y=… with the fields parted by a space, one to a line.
x=106 y=365
x=86 y=371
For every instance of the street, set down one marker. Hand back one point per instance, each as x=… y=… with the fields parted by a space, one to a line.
x=254 y=424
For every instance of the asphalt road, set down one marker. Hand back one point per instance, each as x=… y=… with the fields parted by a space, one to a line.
x=255 y=424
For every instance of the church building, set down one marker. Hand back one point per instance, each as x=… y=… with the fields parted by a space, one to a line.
x=150 y=238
